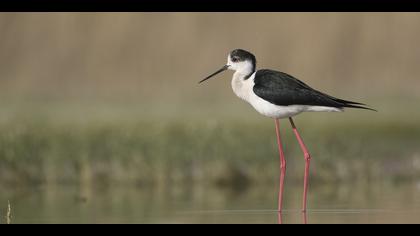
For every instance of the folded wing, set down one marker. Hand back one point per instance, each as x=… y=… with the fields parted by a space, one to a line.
x=283 y=89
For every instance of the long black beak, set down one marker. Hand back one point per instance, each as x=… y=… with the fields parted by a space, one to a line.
x=215 y=73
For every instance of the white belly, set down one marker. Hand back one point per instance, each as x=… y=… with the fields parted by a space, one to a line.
x=244 y=90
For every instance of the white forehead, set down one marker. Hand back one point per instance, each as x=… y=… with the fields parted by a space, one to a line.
x=228 y=59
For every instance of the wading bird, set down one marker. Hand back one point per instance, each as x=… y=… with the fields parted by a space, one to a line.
x=279 y=95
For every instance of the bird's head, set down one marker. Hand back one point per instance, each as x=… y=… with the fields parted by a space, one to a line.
x=241 y=61
x=238 y=60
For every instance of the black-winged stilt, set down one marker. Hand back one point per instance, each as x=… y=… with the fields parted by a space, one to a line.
x=278 y=95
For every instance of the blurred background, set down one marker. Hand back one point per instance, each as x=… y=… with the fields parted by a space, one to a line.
x=102 y=118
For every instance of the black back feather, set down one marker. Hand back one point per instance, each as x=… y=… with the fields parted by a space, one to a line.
x=283 y=89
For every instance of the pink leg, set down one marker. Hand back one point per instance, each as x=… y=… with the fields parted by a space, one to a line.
x=282 y=166
x=307 y=162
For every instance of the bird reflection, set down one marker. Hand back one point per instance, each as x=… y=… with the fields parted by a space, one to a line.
x=304 y=218
x=280 y=218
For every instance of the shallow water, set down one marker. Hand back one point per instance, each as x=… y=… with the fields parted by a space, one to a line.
x=328 y=203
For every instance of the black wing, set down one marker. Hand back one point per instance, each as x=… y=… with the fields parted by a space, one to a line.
x=283 y=89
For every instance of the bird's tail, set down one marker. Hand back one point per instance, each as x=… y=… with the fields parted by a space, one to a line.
x=357 y=106
x=347 y=103
x=351 y=104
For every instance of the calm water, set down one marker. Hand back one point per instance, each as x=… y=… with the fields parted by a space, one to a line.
x=328 y=203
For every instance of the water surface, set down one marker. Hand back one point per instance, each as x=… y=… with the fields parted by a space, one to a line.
x=345 y=203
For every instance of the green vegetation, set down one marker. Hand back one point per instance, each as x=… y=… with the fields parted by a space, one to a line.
x=9 y=213
x=222 y=152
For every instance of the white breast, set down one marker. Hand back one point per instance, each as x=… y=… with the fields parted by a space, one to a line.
x=244 y=90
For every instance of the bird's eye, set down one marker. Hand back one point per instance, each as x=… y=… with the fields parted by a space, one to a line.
x=235 y=59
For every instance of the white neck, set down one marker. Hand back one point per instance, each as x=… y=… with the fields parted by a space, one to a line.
x=244 y=69
x=242 y=86
x=240 y=75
